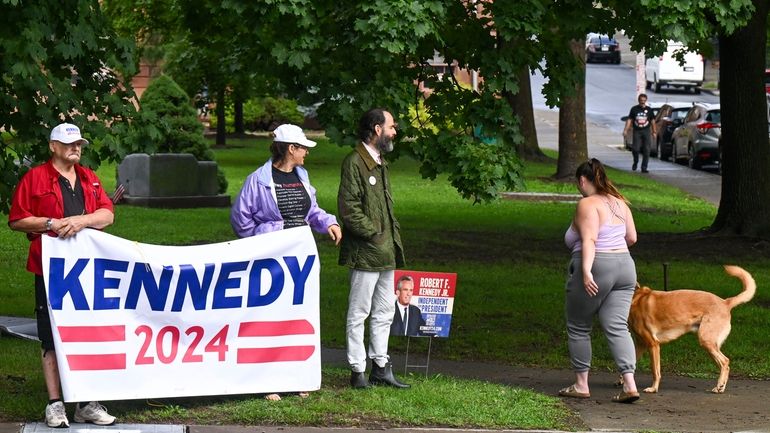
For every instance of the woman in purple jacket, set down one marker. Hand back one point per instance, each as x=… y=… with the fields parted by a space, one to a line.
x=278 y=195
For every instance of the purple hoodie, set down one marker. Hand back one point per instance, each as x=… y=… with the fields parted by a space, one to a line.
x=256 y=211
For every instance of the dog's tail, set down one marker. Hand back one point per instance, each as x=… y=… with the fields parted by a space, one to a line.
x=749 y=286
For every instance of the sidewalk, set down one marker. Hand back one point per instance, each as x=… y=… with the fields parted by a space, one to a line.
x=606 y=145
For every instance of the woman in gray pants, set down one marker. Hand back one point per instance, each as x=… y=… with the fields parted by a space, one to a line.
x=602 y=278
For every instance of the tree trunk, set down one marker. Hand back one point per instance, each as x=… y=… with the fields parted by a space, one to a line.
x=744 y=208
x=521 y=105
x=573 y=144
x=238 y=114
x=221 y=131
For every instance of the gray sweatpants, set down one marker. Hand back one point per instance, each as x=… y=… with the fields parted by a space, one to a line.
x=615 y=274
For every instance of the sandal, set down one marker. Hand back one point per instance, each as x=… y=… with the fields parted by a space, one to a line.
x=626 y=397
x=570 y=391
x=272 y=397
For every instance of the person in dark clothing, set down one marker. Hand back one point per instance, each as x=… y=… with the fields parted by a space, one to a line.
x=641 y=120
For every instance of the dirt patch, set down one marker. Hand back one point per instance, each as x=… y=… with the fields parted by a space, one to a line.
x=686 y=246
x=655 y=247
x=535 y=196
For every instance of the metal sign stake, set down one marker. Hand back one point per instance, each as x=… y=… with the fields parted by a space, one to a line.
x=425 y=366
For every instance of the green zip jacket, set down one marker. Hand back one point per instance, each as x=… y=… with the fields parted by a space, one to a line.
x=370 y=233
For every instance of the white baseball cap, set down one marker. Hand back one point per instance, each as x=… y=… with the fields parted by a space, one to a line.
x=67 y=133
x=288 y=133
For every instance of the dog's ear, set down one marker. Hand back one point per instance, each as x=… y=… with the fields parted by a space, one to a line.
x=638 y=286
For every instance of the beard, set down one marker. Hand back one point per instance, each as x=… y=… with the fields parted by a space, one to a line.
x=384 y=144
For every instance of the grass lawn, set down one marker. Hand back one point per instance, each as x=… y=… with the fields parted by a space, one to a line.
x=511 y=264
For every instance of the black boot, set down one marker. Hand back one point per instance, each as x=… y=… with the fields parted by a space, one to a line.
x=384 y=376
x=358 y=380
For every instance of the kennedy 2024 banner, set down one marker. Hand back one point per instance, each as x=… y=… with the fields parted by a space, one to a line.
x=433 y=294
x=134 y=320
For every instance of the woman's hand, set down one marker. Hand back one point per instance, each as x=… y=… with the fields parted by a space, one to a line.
x=591 y=287
x=335 y=233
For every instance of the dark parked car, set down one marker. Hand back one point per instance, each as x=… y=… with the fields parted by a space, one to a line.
x=669 y=117
x=602 y=48
x=697 y=139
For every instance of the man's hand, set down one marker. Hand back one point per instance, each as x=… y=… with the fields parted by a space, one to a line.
x=70 y=226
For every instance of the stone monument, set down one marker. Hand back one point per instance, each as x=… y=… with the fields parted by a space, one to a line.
x=170 y=180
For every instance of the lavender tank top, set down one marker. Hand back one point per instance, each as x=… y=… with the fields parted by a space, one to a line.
x=610 y=236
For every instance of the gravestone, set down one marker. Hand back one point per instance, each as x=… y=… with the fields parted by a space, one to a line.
x=170 y=180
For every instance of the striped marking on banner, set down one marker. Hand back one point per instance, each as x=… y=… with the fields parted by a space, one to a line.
x=275 y=329
x=94 y=334
x=110 y=361
x=274 y=354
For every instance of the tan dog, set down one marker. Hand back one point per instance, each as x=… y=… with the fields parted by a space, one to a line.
x=659 y=317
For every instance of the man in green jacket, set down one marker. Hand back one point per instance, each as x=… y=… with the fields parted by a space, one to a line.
x=371 y=247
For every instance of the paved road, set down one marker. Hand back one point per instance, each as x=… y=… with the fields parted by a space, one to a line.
x=605 y=144
x=611 y=91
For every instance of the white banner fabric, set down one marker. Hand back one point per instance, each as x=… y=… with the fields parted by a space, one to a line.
x=133 y=320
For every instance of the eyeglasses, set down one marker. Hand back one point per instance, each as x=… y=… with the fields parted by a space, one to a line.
x=297 y=146
x=73 y=144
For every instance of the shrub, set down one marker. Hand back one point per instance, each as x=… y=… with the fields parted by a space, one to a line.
x=168 y=123
x=253 y=110
x=278 y=111
x=261 y=114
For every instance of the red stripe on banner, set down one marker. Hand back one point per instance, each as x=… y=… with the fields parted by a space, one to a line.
x=275 y=329
x=113 y=361
x=92 y=334
x=275 y=354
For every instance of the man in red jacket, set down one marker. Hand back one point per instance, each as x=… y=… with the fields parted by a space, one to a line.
x=59 y=198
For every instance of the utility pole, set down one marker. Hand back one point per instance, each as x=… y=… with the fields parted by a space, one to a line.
x=641 y=79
